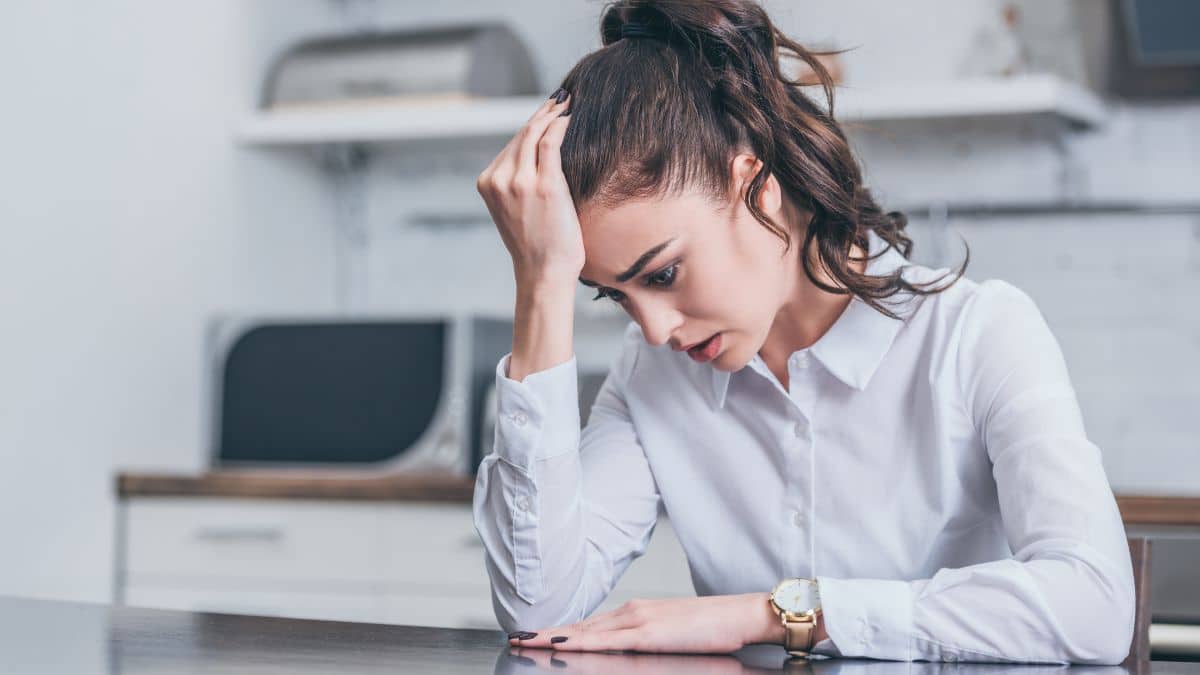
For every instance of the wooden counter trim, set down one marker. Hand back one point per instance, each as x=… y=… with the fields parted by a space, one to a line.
x=1135 y=509
x=1159 y=510
x=307 y=485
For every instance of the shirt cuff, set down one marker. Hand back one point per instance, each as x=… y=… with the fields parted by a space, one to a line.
x=869 y=618
x=826 y=647
x=538 y=417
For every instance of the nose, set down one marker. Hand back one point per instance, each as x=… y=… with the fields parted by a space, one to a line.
x=659 y=321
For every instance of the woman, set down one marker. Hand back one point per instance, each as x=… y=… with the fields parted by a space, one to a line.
x=860 y=456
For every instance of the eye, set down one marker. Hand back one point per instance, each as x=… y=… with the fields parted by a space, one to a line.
x=664 y=277
x=614 y=295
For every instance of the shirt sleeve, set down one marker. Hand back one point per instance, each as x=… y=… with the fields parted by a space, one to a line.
x=562 y=512
x=1067 y=593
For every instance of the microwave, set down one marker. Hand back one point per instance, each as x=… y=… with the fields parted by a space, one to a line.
x=375 y=393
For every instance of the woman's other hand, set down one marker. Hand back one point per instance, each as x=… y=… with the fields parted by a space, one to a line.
x=716 y=624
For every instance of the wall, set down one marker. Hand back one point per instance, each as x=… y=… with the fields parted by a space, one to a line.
x=129 y=218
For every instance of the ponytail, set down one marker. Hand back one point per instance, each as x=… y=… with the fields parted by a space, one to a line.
x=681 y=85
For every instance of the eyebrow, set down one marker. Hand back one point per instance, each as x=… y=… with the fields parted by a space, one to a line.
x=636 y=267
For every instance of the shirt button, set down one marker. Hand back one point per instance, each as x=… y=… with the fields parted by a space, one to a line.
x=951 y=656
x=519 y=418
x=522 y=503
x=801 y=428
x=800 y=360
x=798 y=519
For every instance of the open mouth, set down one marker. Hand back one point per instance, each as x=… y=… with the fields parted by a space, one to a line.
x=707 y=350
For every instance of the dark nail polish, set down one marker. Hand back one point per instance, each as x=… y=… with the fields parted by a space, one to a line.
x=521 y=635
x=557 y=95
x=565 y=113
x=557 y=639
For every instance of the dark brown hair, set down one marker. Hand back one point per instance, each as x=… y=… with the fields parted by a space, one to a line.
x=654 y=114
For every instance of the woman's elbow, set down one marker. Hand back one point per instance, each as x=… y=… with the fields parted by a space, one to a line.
x=1105 y=637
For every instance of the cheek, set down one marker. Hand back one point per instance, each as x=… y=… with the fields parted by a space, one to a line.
x=729 y=293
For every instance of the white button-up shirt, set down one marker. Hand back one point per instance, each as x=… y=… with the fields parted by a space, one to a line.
x=931 y=473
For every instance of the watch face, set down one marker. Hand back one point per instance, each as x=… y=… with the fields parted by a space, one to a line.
x=797 y=596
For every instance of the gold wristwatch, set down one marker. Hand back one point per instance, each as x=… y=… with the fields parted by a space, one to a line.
x=798 y=604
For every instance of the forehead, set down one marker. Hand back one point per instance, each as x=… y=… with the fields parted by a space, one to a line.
x=615 y=236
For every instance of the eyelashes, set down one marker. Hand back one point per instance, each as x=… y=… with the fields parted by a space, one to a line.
x=663 y=278
x=615 y=296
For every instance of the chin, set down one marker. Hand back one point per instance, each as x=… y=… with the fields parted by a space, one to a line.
x=727 y=360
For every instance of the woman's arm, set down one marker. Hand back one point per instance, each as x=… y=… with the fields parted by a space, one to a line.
x=1067 y=593
x=562 y=513
x=715 y=624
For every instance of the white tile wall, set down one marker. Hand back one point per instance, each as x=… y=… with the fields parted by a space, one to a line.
x=1121 y=294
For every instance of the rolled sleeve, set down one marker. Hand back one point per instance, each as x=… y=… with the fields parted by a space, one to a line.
x=561 y=511
x=532 y=423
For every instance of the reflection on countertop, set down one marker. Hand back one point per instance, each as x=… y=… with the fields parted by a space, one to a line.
x=39 y=636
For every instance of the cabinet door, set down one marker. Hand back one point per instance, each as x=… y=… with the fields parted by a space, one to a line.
x=405 y=563
x=432 y=546
x=274 y=541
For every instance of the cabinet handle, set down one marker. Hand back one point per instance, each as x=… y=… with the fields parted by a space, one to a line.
x=235 y=534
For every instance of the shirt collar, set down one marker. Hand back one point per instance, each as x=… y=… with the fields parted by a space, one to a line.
x=856 y=343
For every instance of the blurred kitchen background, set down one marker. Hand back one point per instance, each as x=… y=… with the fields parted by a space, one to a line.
x=210 y=206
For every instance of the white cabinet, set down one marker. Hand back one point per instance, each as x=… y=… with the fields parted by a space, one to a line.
x=387 y=562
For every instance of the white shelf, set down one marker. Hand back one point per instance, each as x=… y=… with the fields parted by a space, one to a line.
x=1027 y=95
x=388 y=122
x=398 y=122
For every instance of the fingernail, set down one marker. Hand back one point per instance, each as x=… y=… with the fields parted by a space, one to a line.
x=557 y=94
x=565 y=112
x=557 y=639
x=521 y=635
x=562 y=96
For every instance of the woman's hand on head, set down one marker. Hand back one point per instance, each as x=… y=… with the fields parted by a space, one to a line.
x=529 y=200
x=716 y=624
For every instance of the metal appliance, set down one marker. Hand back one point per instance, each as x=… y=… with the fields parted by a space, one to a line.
x=380 y=393
x=464 y=61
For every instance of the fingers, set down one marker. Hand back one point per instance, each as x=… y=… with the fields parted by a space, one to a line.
x=549 y=159
x=526 y=157
x=519 y=155
x=617 y=620
x=602 y=640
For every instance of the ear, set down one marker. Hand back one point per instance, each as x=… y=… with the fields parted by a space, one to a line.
x=770 y=198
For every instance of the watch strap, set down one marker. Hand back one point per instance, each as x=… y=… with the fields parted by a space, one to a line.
x=798 y=635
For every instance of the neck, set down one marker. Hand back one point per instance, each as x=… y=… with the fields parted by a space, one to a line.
x=808 y=312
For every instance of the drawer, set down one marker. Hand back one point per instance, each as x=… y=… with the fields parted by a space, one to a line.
x=272 y=540
x=432 y=545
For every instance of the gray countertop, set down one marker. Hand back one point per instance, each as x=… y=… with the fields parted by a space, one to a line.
x=38 y=636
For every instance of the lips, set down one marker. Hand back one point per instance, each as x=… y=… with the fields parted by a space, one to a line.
x=694 y=344
x=706 y=351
